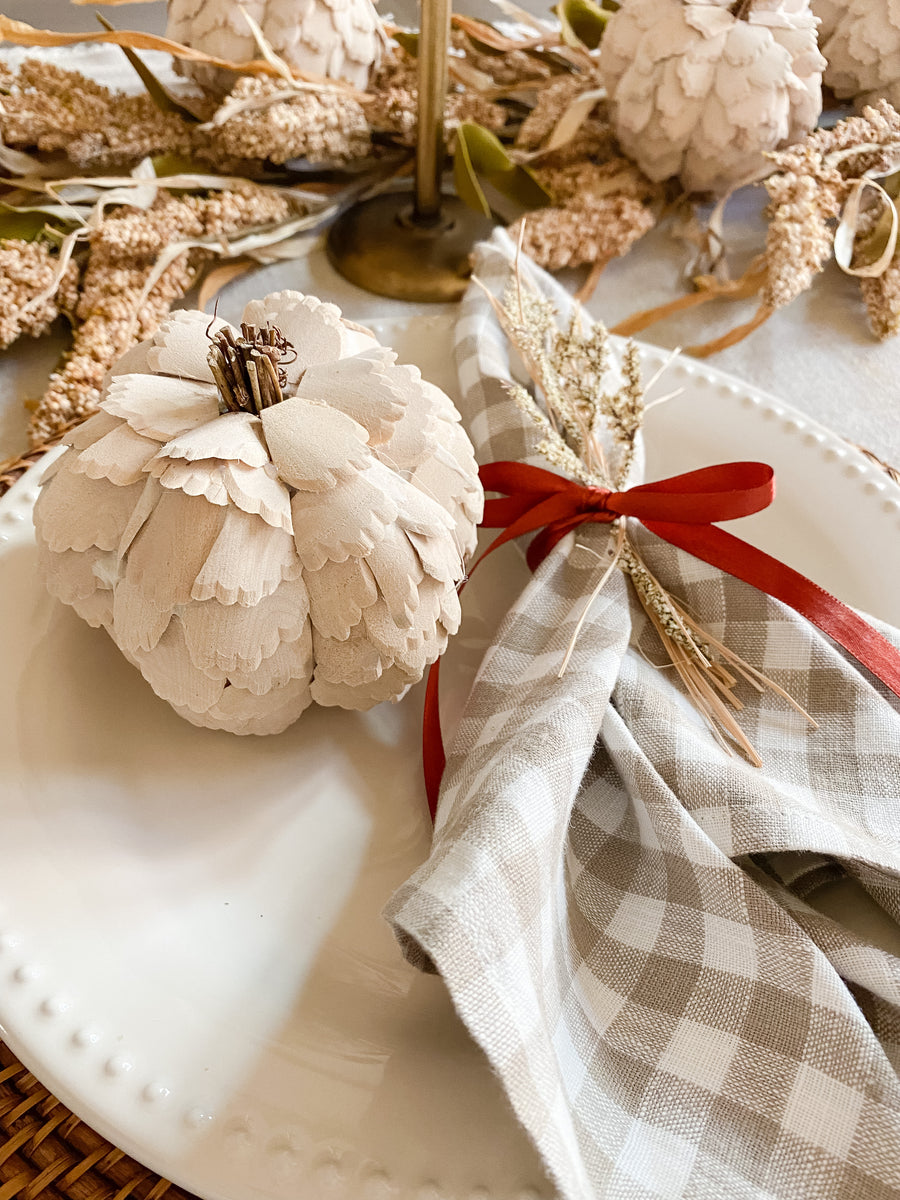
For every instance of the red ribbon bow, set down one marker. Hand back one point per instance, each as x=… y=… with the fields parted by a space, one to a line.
x=681 y=510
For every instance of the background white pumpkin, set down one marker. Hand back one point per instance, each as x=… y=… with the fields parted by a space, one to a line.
x=701 y=89
x=250 y=564
x=861 y=41
x=339 y=39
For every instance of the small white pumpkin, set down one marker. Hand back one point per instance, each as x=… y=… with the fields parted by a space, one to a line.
x=702 y=89
x=339 y=39
x=302 y=545
x=861 y=40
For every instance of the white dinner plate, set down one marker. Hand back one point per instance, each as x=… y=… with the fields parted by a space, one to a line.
x=192 y=955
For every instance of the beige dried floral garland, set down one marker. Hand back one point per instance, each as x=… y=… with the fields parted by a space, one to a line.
x=265 y=517
x=533 y=101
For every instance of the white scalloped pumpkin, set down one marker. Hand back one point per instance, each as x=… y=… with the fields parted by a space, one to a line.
x=340 y=39
x=250 y=562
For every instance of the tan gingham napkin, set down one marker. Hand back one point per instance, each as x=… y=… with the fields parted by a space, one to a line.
x=616 y=905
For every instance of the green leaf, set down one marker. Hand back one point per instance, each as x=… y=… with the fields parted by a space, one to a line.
x=583 y=22
x=480 y=155
x=159 y=94
x=177 y=164
x=25 y=225
x=409 y=42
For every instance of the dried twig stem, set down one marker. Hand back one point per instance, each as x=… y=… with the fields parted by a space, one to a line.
x=248 y=370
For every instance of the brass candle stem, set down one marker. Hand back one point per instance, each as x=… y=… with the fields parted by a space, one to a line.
x=414 y=247
x=434 y=42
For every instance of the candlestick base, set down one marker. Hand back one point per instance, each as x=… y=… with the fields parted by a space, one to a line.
x=379 y=245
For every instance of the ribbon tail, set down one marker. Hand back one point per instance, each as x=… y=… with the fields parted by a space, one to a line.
x=434 y=760
x=738 y=558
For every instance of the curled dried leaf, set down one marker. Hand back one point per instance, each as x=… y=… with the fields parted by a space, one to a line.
x=480 y=155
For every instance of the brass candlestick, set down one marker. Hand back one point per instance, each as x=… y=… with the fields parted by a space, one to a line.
x=414 y=246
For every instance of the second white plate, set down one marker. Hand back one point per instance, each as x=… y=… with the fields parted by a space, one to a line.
x=192 y=955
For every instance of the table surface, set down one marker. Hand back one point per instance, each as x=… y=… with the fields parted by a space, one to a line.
x=817 y=355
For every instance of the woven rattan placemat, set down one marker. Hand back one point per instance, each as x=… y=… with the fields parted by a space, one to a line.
x=46 y=1152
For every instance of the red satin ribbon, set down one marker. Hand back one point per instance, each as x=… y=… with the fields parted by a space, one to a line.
x=681 y=510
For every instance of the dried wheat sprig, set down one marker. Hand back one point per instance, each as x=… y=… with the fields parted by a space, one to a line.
x=568 y=366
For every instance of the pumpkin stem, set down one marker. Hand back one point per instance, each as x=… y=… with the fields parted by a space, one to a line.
x=249 y=370
x=741 y=9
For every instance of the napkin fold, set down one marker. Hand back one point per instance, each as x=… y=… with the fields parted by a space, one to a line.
x=621 y=911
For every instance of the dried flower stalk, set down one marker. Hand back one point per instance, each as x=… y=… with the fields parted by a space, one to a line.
x=570 y=366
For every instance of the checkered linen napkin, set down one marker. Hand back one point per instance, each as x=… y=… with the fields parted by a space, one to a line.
x=617 y=906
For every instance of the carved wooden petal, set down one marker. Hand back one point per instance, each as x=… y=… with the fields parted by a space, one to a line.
x=455 y=442
x=417 y=511
x=292 y=660
x=75 y=512
x=236 y=436
x=451 y=613
x=404 y=645
x=96 y=609
x=132 y=362
x=314 y=328
x=367 y=387
x=348 y=521
x=159 y=407
x=65 y=461
x=169 y=671
x=444 y=478
x=413 y=437
x=70 y=575
x=238 y=638
x=239 y=711
x=257 y=490
x=439 y=556
x=248 y=561
x=464 y=504
x=194 y=479
x=137 y=624
x=180 y=345
x=352 y=661
x=95 y=427
x=338 y=593
x=392 y=684
x=147 y=501
x=313 y=446
x=119 y=456
x=172 y=547
x=398 y=572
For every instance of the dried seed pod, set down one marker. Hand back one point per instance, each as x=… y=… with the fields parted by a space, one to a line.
x=265 y=516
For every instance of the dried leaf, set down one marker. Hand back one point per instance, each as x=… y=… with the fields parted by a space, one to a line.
x=25 y=225
x=220 y=277
x=510 y=10
x=174 y=164
x=845 y=234
x=248 y=244
x=19 y=163
x=486 y=37
x=157 y=91
x=582 y=22
x=571 y=121
x=22 y=34
x=408 y=40
x=481 y=155
x=278 y=65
